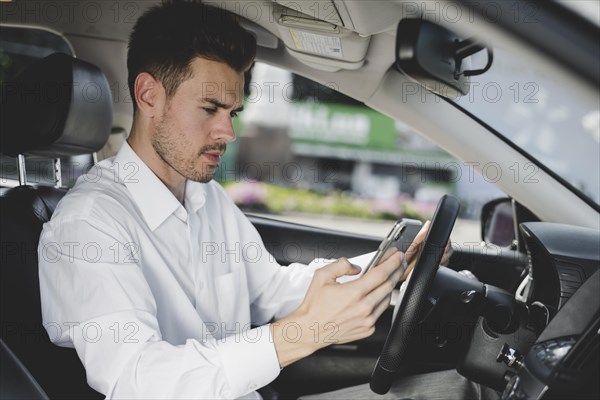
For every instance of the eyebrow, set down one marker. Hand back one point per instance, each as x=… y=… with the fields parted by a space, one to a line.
x=220 y=104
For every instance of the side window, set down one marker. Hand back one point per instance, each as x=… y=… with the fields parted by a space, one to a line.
x=19 y=47
x=308 y=154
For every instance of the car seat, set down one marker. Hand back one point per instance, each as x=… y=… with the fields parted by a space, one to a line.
x=59 y=106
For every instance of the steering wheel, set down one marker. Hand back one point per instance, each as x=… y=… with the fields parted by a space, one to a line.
x=409 y=311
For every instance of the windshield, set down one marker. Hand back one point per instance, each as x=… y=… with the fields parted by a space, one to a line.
x=540 y=116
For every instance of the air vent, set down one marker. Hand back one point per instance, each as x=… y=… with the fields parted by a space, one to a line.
x=571 y=276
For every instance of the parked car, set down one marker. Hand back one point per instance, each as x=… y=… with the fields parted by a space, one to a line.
x=508 y=89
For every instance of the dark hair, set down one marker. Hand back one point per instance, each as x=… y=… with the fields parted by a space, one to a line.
x=167 y=37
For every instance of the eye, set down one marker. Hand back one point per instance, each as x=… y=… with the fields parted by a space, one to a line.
x=234 y=114
x=210 y=111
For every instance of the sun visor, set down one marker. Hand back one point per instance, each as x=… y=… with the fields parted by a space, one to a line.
x=323 y=10
x=320 y=44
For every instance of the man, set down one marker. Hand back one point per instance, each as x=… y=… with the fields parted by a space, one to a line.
x=150 y=271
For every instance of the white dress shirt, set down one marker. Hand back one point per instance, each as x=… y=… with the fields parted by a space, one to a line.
x=158 y=298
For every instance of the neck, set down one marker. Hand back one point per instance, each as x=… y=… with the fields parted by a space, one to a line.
x=143 y=148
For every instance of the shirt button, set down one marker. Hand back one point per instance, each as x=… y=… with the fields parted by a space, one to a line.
x=252 y=386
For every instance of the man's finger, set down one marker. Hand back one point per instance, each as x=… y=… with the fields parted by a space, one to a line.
x=341 y=267
x=417 y=242
x=447 y=254
x=382 y=306
x=380 y=293
x=388 y=253
x=382 y=272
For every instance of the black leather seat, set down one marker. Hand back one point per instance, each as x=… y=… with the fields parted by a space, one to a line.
x=57 y=107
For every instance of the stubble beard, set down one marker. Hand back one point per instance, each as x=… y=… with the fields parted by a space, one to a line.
x=166 y=147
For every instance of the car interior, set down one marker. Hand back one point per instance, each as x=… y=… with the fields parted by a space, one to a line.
x=528 y=325
x=54 y=132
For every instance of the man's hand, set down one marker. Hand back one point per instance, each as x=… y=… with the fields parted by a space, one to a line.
x=413 y=250
x=333 y=312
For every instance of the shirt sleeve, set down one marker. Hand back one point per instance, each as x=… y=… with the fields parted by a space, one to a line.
x=97 y=300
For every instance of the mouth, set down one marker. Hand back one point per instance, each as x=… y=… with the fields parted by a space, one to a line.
x=214 y=157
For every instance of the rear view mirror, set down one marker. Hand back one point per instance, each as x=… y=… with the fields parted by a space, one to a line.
x=436 y=58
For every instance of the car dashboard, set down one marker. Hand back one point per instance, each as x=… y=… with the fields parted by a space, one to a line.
x=563 y=362
x=560 y=259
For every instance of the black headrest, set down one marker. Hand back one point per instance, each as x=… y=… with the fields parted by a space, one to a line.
x=58 y=106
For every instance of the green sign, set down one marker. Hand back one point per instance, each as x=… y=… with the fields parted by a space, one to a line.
x=344 y=125
x=350 y=132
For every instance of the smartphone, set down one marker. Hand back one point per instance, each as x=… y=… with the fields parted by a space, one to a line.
x=401 y=237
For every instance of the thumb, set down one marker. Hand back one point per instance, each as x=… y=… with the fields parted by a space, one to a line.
x=339 y=268
x=415 y=246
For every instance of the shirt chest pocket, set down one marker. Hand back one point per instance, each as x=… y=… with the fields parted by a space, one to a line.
x=232 y=303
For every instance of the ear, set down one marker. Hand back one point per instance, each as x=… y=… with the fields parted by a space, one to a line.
x=148 y=94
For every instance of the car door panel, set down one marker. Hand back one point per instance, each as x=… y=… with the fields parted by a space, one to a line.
x=289 y=242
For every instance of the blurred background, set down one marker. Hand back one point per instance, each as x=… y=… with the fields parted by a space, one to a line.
x=306 y=153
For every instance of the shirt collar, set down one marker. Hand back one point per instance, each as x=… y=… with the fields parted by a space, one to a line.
x=153 y=198
x=195 y=195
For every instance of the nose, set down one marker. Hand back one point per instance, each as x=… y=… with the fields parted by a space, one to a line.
x=223 y=129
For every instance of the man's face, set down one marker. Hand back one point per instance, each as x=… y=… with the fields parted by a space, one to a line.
x=196 y=124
